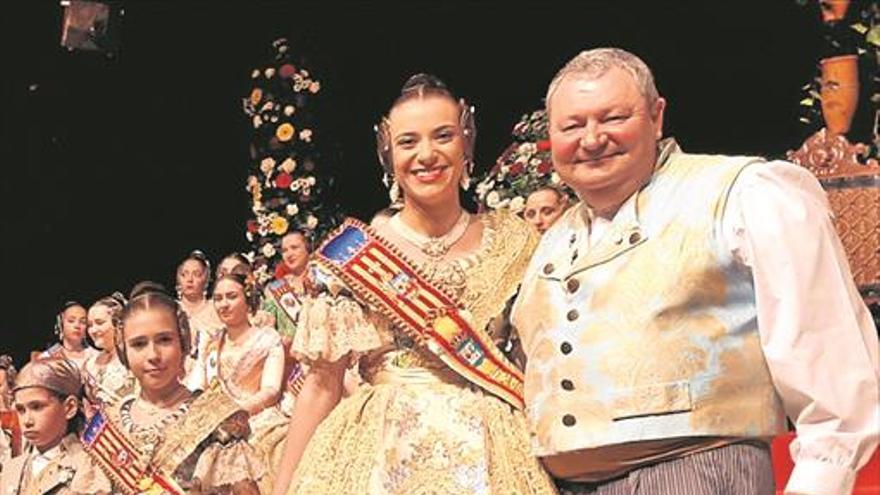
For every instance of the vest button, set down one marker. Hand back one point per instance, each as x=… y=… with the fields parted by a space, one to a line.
x=572 y=285
x=548 y=268
x=565 y=348
x=635 y=237
x=567 y=384
x=572 y=315
x=569 y=420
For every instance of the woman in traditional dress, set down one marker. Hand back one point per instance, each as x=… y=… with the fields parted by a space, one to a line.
x=192 y=289
x=70 y=328
x=105 y=378
x=165 y=437
x=282 y=296
x=420 y=302
x=249 y=362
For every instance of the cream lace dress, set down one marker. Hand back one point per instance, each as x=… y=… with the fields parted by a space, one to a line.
x=416 y=427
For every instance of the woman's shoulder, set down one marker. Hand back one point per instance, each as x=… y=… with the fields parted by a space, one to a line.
x=505 y=233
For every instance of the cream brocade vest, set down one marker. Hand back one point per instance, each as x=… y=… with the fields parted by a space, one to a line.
x=652 y=332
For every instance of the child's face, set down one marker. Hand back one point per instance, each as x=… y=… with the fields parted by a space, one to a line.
x=153 y=348
x=43 y=416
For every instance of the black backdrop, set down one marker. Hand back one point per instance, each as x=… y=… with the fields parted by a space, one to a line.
x=113 y=169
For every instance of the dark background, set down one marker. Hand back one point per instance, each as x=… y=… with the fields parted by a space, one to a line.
x=114 y=168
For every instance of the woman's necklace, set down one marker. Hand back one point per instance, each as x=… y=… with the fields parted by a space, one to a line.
x=149 y=437
x=434 y=247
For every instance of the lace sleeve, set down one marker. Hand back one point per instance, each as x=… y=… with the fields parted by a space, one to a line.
x=331 y=327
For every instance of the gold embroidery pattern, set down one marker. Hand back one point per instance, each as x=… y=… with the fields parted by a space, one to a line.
x=418 y=435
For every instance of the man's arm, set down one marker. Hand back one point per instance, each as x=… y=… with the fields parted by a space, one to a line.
x=816 y=333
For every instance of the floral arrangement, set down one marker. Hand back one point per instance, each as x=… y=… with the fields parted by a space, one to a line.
x=287 y=189
x=522 y=168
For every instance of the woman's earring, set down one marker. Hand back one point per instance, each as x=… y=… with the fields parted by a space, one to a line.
x=394 y=191
x=465 y=180
x=466 y=174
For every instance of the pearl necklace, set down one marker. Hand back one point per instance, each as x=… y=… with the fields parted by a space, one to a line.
x=435 y=247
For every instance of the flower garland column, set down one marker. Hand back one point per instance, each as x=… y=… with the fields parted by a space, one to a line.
x=289 y=184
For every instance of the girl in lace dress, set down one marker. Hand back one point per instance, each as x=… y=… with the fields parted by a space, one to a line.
x=249 y=363
x=193 y=442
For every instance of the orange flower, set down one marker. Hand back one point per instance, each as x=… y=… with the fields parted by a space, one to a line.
x=284 y=132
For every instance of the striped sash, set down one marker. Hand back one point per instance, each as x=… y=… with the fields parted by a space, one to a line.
x=379 y=274
x=121 y=461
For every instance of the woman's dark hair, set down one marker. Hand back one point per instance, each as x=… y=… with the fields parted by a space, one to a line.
x=148 y=295
x=239 y=259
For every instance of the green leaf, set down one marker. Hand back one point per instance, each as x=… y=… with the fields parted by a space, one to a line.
x=861 y=28
x=807 y=102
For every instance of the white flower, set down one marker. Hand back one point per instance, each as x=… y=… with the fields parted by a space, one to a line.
x=292 y=209
x=554 y=178
x=492 y=199
x=484 y=187
x=306 y=135
x=267 y=164
x=315 y=87
x=503 y=203
x=517 y=204
x=269 y=72
x=274 y=118
x=522 y=159
x=249 y=236
x=535 y=162
x=311 y=222
x=295 y=185
x=257 y=121
x=305 y=73
x=289 y=109
x=527 y=148
x=268 y=250
x=255 y=74
x=310 y=180
x=267 y=106
x=288 y=165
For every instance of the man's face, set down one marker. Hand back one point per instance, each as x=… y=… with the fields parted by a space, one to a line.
x=603 y=134
x=543 y=208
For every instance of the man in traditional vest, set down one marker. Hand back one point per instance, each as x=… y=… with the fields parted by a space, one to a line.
x=688 y=303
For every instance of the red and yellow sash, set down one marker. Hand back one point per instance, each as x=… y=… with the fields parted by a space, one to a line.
x=380 y=274
x=120 y=460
